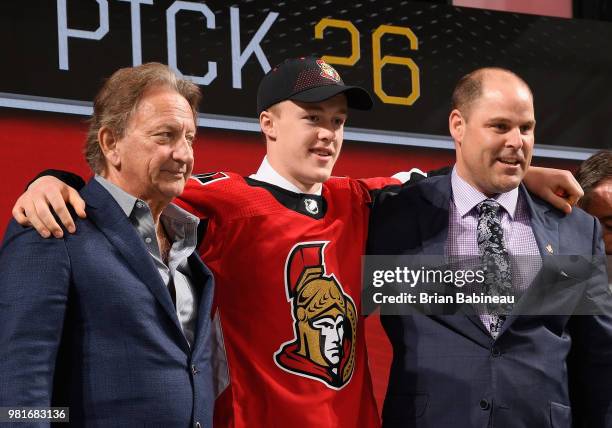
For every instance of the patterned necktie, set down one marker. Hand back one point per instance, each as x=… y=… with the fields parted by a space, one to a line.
x=494 y=256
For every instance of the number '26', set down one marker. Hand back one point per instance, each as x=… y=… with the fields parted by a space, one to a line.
x=378 y=61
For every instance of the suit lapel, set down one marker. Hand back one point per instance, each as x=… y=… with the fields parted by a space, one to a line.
x=203 y=280
x=544 y=223
x=468 y=325
x=113 y=223
x=485 y=337
x=433 y=215
x=545 y=227
x=433 y=222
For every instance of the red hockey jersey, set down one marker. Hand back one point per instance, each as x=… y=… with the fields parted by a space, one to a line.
x=287 y=266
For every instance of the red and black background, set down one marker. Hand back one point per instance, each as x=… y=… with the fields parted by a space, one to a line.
x=567 y=62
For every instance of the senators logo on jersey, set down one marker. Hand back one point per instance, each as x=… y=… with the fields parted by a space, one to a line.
x=325 y=320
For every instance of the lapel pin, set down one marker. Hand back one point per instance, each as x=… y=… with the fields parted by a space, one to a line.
x=549 y=248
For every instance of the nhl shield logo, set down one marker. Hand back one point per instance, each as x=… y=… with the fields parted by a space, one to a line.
x=328 y=71
x=325 y=320
x=311 y=206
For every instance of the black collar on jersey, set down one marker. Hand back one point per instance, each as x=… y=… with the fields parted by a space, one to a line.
x=313 y=206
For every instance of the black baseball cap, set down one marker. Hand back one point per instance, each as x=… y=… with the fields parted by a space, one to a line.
x=310 y=80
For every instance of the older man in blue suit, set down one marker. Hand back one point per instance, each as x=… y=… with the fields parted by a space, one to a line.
x=114 y=320
x=498 y=367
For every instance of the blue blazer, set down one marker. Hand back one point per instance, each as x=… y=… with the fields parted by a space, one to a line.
x=447 y=371
x=87 y=322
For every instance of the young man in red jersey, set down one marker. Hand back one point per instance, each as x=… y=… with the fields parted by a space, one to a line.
x=285 y=247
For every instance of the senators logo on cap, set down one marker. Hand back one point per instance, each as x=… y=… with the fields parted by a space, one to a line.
x=328 y=71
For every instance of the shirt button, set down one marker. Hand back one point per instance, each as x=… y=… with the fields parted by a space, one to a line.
x=194 y=370
x=198 y=425
x=148 y=240
x=484 y=404
x=139 y=204
x=495 y=352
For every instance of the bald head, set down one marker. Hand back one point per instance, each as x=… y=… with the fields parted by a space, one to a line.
x=492 y=125
x=471 y=86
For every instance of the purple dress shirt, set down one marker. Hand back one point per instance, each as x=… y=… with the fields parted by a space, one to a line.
x=515 y=221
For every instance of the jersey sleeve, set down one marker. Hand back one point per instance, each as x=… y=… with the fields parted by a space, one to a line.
x=374 y=187
x=412 y=176
x=70 y=178
x=376 y=183
x=209 y=195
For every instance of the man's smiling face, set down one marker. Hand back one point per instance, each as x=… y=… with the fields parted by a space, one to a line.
x=305 y=139
x=494 y=138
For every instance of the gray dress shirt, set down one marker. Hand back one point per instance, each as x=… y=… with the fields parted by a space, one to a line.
x=181 y=228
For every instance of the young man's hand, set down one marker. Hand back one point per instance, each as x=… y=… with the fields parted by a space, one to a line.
x=33 y=208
